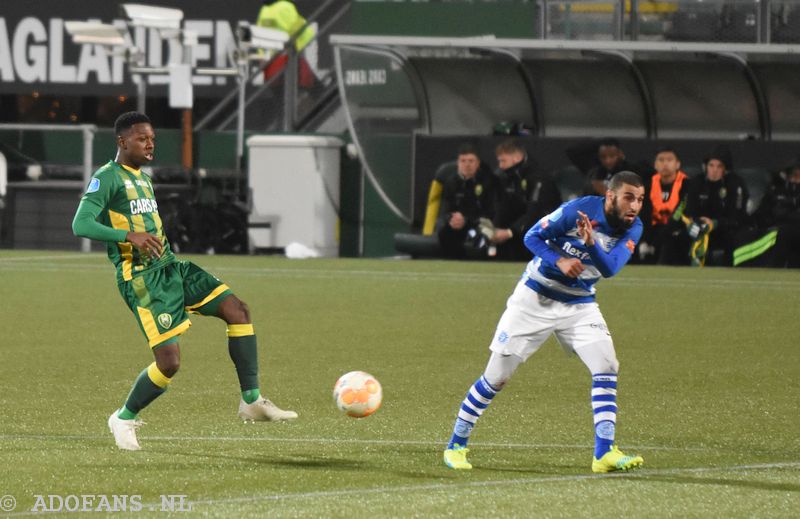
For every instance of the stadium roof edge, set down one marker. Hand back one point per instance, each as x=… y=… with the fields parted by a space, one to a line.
x=491 y=42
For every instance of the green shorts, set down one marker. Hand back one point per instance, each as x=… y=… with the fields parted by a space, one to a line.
x=162 y=299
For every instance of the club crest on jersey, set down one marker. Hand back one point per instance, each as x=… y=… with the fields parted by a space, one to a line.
x=94 y=185
x=165 y=320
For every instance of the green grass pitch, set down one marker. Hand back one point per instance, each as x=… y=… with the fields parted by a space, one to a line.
x=709 y=391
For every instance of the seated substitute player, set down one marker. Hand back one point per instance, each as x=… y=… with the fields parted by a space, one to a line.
x=523 y=196
x=119 y=208
x=581 y=241
x=467 y=196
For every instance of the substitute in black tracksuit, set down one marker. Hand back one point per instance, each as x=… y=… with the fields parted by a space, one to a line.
x=468 y=194
x=523 y=197
x=716 y=205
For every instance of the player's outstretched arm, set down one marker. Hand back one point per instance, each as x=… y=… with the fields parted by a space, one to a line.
x=609 y=263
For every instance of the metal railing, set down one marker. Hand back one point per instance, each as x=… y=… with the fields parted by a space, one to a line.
x=87 y=131
x=288 y=75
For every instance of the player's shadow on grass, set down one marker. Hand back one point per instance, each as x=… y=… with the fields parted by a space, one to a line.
x=757 y=485
x=300 y=461
x=288 y=460
x=284 y=460
x=541 y=469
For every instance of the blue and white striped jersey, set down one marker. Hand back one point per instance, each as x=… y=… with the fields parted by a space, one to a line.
x=556 y=236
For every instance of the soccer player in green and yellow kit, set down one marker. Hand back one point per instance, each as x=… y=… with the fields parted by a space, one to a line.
x=119 y=208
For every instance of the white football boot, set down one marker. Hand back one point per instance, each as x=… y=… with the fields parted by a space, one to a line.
x=124 y=432
x=263 y=410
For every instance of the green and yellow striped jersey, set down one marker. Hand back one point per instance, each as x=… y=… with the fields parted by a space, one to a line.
x=122 y=198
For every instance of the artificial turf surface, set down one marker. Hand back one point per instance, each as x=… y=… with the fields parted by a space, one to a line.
x=708 y=394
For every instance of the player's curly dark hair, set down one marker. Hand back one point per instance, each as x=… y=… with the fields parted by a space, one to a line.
x=128 y=119
x=625 y=177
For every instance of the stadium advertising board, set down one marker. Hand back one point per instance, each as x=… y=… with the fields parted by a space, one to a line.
x=36 y=53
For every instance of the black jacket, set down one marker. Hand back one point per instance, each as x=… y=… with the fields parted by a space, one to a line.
x=724 y=201
x=474 y=198
x=524 y=196
x=781 y=204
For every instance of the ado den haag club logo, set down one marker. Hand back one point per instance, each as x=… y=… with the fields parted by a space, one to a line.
x=165 y=320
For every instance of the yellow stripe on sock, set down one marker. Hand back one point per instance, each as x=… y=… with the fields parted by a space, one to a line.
x=214 y=293
x=157 y=377
x=240 y=330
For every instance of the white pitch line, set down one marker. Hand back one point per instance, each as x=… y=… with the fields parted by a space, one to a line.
x=10 y=259
x=433 y=443
x=12 y=264
x=434 y=487
x=491 y=483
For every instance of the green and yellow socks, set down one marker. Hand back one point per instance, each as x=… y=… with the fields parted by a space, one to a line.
x=242 y=347
x=243 y=350
x=149 y=385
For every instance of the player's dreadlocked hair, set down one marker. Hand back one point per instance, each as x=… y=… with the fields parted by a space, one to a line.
x=128 y=119
x=625 y=177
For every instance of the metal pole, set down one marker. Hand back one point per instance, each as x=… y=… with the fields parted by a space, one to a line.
x=763 y=22
x=240 y=117
x=187 y=161
x=141 y=93
x=290 y=89
x=634 y=17
x=619 y=20
x=543 y=20
x=88 y=147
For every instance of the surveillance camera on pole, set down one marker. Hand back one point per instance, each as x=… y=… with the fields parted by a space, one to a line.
x=260 y=38
x=96 y=33
x=168 y=22
x=163 y=18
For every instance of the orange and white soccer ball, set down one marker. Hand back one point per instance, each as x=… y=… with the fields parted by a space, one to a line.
x=358 y=394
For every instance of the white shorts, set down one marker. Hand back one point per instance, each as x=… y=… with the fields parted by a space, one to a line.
x=530 y=318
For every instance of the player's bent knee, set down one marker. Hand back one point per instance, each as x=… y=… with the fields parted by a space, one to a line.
x=168 y=367
x=500 y=368
x=599 y=357
x=168 y=360
x=234 y=311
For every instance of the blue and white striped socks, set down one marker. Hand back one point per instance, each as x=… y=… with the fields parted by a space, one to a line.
x=478 y=398
x=604 y=405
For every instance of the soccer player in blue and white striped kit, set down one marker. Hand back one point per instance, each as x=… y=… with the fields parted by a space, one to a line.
x=574 y=246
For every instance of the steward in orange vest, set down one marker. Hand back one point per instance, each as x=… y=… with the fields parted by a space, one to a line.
x=665 y=240
x=665 y=202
